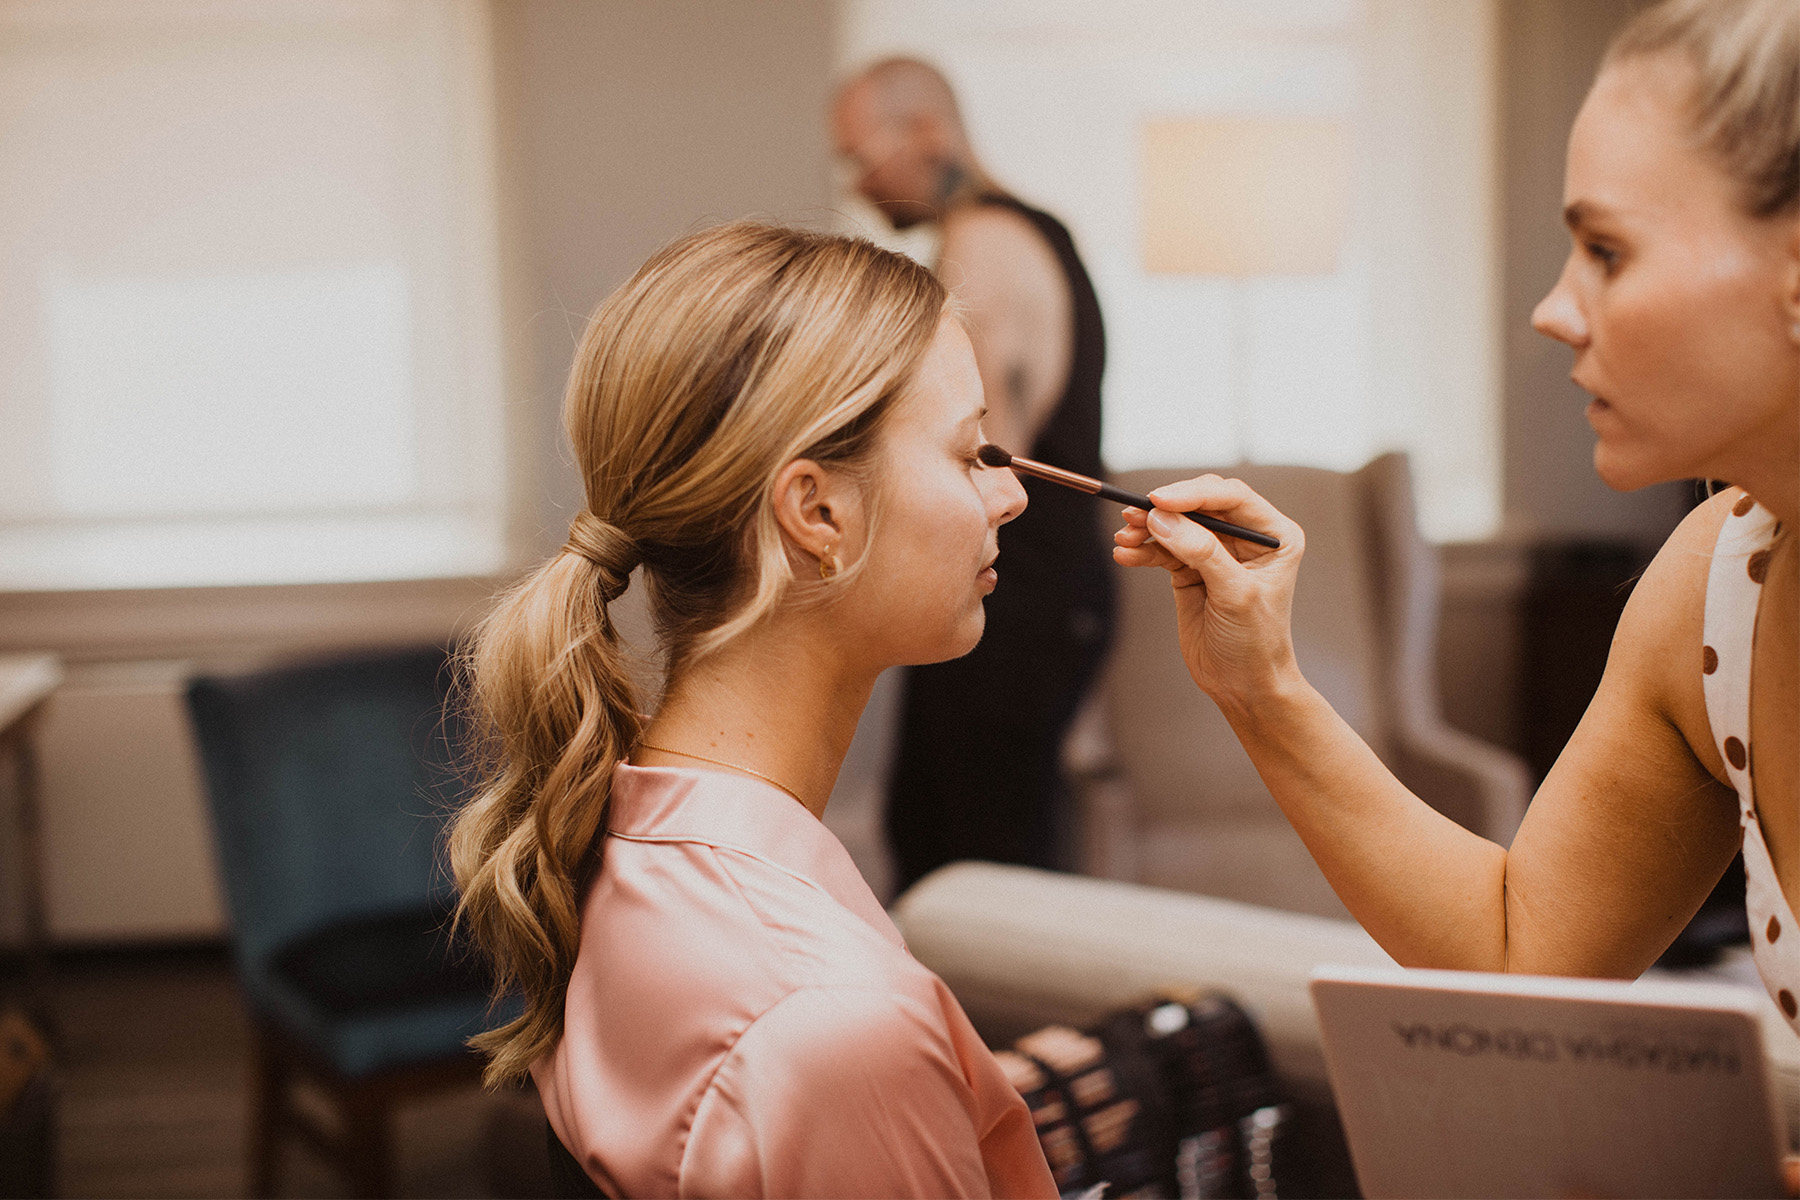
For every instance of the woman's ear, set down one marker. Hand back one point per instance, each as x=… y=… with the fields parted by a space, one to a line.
x=819 y=509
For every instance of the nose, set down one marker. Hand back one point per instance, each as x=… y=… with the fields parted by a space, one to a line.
x=1558 y=315
x=1006 y=496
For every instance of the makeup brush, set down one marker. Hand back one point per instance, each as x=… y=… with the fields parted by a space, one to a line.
x=993 y=456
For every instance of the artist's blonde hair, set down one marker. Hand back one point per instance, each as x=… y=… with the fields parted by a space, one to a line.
x=728 y=355
x=1745 y=104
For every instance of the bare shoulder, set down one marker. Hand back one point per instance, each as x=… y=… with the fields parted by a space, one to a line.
x=1686 y=558
x=988 y=224
x=1660 y=643
x=986 y=242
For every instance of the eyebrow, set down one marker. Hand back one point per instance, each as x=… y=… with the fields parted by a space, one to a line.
x=1583 y=213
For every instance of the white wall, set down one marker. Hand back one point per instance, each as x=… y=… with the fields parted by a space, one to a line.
x=626 y=124
x=124 y=823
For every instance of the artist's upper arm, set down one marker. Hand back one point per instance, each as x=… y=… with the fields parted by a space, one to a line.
x=1632 y=828
x=1016 y=306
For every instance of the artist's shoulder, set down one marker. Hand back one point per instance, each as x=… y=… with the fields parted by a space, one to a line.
x=1681 y=565
x=994 y=230
x=993 y=250
x=1659 y=640
x=988 y=214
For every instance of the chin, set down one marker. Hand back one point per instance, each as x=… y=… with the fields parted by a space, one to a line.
x=966 y=637
x=1624 y=472
x=1607 y=469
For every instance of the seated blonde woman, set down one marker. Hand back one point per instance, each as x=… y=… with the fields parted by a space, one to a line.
x=781 y=429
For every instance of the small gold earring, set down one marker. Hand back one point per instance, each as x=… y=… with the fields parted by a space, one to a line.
x=828 y=564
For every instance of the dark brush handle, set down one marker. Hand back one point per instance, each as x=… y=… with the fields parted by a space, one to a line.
x=1109 y=492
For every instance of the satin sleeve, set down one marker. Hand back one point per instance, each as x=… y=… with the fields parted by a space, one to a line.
x=838 y=1091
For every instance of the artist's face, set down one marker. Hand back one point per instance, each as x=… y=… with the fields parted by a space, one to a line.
x=893 y=165
x=932 y=558
x=1672 y=296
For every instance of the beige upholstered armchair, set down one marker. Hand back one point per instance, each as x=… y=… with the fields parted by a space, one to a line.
x=1170 y=798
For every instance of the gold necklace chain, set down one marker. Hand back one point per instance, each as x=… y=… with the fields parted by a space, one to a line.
x=719 y=762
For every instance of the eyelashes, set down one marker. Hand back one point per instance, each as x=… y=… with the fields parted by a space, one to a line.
x=1606 y=256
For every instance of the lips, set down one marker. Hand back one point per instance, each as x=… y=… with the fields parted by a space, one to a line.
x=1597 y=404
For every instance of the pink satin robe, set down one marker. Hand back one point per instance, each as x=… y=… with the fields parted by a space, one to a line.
x=744 y=1019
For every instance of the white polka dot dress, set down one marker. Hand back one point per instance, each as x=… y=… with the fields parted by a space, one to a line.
x=1733 y=589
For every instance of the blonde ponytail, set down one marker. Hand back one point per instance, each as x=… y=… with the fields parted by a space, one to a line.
x=728 y=355
x=546 y=677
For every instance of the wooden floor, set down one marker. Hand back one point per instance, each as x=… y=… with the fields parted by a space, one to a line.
x=152 y=1053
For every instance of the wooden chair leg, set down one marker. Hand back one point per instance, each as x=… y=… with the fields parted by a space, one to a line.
x=357 y=1140
x=368 y=1145
x=270 y=1095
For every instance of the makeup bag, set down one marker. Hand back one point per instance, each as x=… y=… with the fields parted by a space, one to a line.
x=1170 y=1097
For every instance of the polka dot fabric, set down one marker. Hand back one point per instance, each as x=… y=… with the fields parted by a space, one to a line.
x=1733 y=589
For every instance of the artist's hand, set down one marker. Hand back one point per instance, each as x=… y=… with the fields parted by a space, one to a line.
x=1233 y=600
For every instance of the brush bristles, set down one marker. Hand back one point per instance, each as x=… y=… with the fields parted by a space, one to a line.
x=993 y=456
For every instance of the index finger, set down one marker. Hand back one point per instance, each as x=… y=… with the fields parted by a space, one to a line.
x=1230 y=499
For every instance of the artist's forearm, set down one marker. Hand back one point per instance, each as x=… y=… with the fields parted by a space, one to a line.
x=1430 y=892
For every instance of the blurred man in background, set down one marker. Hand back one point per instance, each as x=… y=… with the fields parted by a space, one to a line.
x=977 y=773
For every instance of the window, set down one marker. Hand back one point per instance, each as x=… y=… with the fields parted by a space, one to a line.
x=1398 y=349
x=248 y=299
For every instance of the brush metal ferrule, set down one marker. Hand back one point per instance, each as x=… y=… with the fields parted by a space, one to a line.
x=1081 y=483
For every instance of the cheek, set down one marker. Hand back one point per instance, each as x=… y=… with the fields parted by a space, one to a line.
x=924 y=603
x=1693 y=359
x=1693 y=340
x=938 y=538
x=954 y=529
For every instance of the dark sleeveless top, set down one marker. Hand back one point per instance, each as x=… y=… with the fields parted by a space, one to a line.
x=991 y=723
x=1057 y=551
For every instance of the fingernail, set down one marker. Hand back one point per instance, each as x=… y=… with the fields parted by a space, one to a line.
x=1160 y=522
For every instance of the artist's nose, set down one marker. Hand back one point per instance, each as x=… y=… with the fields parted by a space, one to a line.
x=1558 y=315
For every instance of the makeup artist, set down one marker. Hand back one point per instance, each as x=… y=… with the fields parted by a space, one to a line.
x=781 y=429
x=1681 y=301
x=977 y=772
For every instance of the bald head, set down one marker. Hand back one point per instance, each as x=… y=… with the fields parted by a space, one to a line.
x=902 y=90
x=896 y=122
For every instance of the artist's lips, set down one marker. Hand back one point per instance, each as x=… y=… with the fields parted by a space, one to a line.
x=1597 y=405
x=988 y=577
